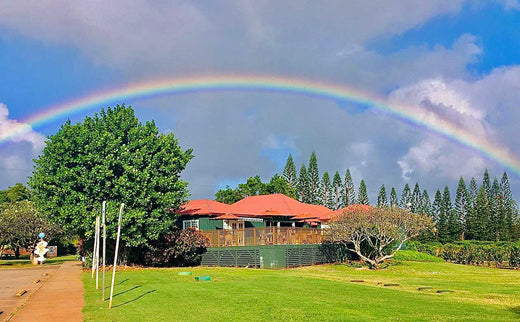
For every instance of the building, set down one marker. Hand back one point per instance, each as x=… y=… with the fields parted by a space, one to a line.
x=273 y=228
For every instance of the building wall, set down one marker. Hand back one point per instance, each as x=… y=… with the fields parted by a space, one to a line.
x=269 y=257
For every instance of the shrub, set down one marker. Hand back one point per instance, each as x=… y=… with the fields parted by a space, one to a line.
x=182 y=247
x=411 y=255
x=514 y=256
x=473 y=252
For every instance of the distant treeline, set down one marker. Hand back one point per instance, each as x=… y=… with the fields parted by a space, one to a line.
x=480 y=212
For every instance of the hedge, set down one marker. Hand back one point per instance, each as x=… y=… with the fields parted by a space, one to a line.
x=498 y=254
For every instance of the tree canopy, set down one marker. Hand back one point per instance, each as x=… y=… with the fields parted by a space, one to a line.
x=20 y=224
x=112 y=157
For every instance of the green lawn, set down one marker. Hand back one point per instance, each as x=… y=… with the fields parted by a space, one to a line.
x=25 y=261
x=310 y=293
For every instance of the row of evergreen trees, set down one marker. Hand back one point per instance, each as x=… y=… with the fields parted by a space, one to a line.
x=333 y=193
x=485 y=212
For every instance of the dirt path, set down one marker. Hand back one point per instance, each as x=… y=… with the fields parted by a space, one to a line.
x=12 y=280
x=60 y=298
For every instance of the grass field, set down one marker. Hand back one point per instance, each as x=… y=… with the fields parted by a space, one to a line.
x=324 y=292
x=25 y=261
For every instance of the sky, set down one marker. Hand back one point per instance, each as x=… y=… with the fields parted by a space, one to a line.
x=453 y=59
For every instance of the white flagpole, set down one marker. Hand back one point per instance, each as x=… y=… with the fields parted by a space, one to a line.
x=94 y=249
x=115 y=255
x=97 y=252
x=104 y=249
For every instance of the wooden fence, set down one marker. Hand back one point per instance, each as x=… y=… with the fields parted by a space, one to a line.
x=263 y=236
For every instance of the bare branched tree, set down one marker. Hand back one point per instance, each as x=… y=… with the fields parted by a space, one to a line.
x=376 y=234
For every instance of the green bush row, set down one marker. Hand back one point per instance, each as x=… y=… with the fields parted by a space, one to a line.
x=472 y=252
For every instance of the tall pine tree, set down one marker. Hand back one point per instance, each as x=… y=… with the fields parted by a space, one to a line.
x=477 y=223
x=406 y=196
x=425 y=203
x=445 y=220
x=496 y=214
x=382 y=200
x=289 y=173
x=314 y=179
x=473 y=192
x=436 y=213
x=510 y=207
x=327 y=199
x=415 y=199
x=462 y=205
x=303 y=185
x=486 y=183
x=349 y=195
x=363 y=195
x=393 y=198
x=336 y=191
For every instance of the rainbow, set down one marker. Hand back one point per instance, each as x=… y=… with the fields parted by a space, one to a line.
x=295 y=86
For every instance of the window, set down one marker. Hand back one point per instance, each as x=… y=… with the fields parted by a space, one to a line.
x=190 y=224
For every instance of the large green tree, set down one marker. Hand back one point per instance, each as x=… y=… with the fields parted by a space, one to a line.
x=18 y=192
x=113 y=157
x=228 y=195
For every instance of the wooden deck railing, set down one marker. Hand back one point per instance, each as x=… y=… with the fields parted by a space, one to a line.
x=263 y=236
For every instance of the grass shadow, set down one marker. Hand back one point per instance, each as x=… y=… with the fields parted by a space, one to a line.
x=119 y=283
x=126 y=291
x=133 y=300
x=515 y=309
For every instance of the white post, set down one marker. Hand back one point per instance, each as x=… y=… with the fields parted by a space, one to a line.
x=104 y=249
x=115 y=255
x=94 y=249
x=97 y=251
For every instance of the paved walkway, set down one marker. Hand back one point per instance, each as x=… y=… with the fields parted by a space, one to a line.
x=60 y=298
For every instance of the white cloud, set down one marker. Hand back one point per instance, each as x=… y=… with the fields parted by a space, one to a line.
x=435 y=157
x=17 y=154
x=150 y=37
x=474 y=106
x=17 y=132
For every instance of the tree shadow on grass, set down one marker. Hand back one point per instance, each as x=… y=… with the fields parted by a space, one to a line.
x=133 y=300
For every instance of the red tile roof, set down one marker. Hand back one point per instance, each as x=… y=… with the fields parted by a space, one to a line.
x=204 y=207
x=257 y=206
x=279 y=203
